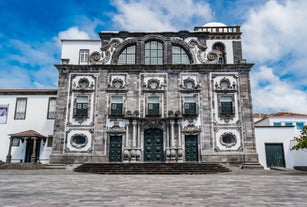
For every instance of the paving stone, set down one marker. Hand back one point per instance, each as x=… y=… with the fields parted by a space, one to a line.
x=56 y=188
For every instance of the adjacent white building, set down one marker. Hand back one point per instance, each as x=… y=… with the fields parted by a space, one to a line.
x=26 y=124
x=275 y=137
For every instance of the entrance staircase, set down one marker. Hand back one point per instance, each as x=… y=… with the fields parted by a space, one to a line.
x=152 y=168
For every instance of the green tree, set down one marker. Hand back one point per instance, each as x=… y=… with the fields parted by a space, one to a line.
x=301 y=140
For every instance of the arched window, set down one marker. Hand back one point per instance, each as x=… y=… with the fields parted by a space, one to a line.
x=179 y=55
x=220 y=50
x=153 y=53
x=127 y=56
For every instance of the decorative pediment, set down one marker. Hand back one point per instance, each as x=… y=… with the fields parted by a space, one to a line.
x=83 y=82
x=153 y=123
x=189 y=83
x=153 y=84
x=117 y=81
x=153 y=81
x=225 y=84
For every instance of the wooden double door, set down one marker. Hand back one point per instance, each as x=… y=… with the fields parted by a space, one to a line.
x=191 y=148
x=115 y=153
x=153 y=145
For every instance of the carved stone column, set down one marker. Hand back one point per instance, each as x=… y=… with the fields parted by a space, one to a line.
x=9 y=156
x=173 y=147
x=172 y=133
x=139 y=136
x=33 y=156
x=127 y=135
x=179 y=136
x=134 y=132
x=180 y=150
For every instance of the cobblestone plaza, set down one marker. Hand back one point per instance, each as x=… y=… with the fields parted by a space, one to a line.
x=58 y=188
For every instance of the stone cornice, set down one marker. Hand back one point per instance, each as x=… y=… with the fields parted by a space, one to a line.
x=200 y=68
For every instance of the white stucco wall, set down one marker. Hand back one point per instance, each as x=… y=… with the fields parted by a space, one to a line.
x=282 y=135
x=71 y=48
x=36 y=119
x=228 y=47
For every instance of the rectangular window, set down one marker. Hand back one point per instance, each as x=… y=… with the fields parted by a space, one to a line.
x=116 y=105
x=84 y=56
x=299 y=125
x=189 y=105
x=51 y=108
x=81 y=107
x=277 y=123
x=227 y=105
x=179 y=55
x=153 y=106
x=127 y=56
x=49 y=142
x=20 y=110
x=153 y=53
x=288 y=124
x=16 y=142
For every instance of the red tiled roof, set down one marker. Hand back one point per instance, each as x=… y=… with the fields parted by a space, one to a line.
x=287 y=114
x=28 y=133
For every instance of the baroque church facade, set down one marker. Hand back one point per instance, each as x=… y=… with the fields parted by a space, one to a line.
x=155 y=97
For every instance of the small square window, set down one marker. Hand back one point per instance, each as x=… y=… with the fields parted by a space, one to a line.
x=277 y=123
x=288 y=124
x=299 y=125
x=16 y=142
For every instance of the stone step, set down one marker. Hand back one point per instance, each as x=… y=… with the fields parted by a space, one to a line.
x=252 y=166
x=152 y=168
x=55 y=166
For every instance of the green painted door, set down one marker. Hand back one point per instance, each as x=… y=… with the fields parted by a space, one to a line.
x=153 y=145
x=115 y=154
x=274 y=155
x=191 y=148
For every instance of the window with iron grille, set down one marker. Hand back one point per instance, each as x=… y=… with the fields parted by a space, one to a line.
x=153 y=106
x=81 y=106
x=189 y=105
x=117 y=105
x=226 y=105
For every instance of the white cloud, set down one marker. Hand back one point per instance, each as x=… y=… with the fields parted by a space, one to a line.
x=73 y=33
x=274 y=36
x=271 y=94
x=160 y=15
x=276 y=30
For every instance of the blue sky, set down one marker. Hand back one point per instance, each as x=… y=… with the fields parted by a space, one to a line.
x=274 y=38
